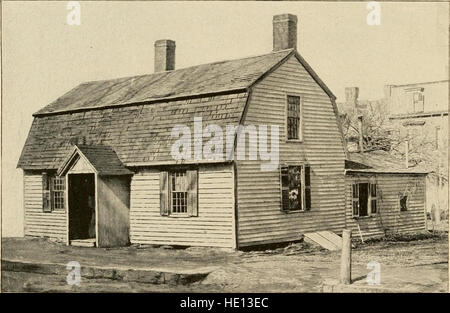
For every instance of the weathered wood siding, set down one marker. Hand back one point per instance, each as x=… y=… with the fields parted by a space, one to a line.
x=260 y=219
x=389 y=218
x=113 y=210
x=214 y=225
x=37 y=223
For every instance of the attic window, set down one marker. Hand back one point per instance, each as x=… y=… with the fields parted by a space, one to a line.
x=293 y=118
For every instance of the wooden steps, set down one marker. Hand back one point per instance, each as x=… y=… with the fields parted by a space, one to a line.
x=325 y=239
x=83 y=242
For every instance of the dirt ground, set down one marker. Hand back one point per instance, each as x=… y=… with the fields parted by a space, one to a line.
x=409 y=266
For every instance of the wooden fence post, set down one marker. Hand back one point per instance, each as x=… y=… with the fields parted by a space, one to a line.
x=346 y=257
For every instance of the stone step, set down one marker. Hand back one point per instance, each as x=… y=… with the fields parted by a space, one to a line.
x=83 y=242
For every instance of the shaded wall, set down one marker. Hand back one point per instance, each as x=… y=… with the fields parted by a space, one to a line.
x=113 y=210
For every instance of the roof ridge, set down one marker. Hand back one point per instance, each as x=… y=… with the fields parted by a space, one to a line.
x=188 y=67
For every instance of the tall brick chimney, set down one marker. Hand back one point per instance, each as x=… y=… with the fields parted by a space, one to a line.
x=164 y=55
x=284 y=32
x=351 y=96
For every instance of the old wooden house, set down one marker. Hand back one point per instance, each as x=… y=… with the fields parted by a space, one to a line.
x=98 y=163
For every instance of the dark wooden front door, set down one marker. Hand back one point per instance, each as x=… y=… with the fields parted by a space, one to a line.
x=81 y=193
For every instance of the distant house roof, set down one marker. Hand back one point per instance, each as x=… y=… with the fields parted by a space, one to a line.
x=135 y=115
x=379 y=162
x=102 y=158
x=420 y=83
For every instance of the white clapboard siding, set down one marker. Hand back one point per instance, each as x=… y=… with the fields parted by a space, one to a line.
x=260 y=219
x=37 y=223
x=214 y=225
x=389 y=219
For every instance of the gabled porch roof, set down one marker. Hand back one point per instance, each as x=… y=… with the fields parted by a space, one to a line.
x=102 y=159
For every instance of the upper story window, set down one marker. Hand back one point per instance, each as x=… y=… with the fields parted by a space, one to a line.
x=437 y=137
x=418 y=101
x=293 y=118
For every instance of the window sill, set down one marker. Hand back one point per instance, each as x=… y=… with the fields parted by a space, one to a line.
x=180 y=215
x=294 y=212
x=55 y=211
x=294 y=140
x=363 y=217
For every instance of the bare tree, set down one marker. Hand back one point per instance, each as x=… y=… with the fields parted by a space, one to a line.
x=380 y=133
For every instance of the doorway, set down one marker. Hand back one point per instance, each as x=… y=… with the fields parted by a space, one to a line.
x=81 y=200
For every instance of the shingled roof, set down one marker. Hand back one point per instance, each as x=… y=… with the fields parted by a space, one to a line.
x=201 y=79
x=135 y=115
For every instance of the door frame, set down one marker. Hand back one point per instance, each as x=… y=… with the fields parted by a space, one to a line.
x=68 y=206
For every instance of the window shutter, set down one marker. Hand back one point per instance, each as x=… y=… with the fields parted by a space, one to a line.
x=46 y=205
x=307 y=172
x=192 y=179
x=373 y=199
x=355 y=200
x=52 y=195
x=164 y=193
x=284 y=177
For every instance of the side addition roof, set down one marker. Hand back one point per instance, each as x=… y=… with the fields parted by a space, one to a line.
x=379 y=162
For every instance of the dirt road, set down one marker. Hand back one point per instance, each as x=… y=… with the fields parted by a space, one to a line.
x=414 y=266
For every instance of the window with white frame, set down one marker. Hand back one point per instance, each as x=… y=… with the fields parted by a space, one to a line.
x=364 y=199
x=418 y=101
x=179 y=193
x=53 y=192
x=58 y=192
x=295 y=188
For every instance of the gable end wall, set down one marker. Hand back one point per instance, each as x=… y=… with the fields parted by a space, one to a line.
x=260 y=219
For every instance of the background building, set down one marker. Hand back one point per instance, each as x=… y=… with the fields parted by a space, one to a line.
x=419 y=112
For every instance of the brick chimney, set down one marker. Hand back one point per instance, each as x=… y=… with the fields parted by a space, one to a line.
x=351 y=96
x=164 y=55
x=284 y=32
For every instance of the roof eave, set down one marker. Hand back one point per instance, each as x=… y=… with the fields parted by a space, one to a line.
x=150 y=101
x=375 y=171
x=315 y=76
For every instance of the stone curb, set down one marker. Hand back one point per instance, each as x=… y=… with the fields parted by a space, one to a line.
x=149 y=276
x=337 y=287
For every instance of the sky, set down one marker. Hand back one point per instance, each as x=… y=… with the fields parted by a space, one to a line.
x=43 y=57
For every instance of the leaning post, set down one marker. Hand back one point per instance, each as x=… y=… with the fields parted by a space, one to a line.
x=346 y=257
